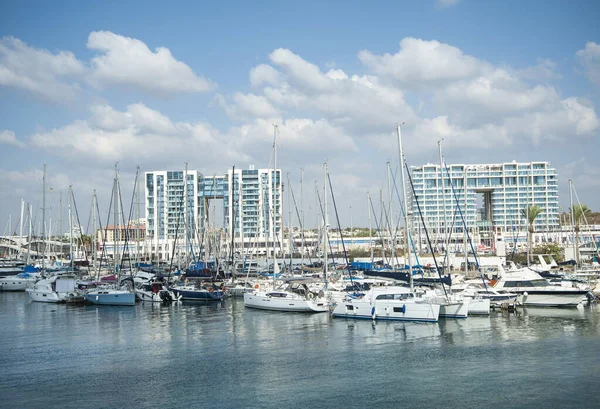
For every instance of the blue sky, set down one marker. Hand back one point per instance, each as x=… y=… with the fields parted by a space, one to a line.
x=84 y=85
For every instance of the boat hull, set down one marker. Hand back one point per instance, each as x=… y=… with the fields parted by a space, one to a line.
x=388 y=310
x=479 y=306
x=16 y=283
x=198 y=295
x=44 y=296
x=534 y=298
x=266 y=302
x=111 y=298
x=162 y=296
x=455 y=309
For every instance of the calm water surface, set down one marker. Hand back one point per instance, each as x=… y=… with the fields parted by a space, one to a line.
x=225 y=356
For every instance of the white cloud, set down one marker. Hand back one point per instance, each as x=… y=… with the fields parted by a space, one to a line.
x=300 y=72
x=264 y=74
x=420 y=62
x=137 y=134
x=129 y=61
x=296 y=135
x=470 y=102
x=9 y=138
x=51 y=76
x=358 y=103
x=545 y=69
x=141 y=134
x=590 y=59
x=571 y=117
x=246 y=106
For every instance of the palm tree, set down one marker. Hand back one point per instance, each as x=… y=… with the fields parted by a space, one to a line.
x=530 y=213
x=579 y=213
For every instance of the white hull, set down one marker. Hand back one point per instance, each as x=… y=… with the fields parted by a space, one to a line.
x=44 y=296
x=455 y=309
x=533 y=290
x=160 y=297
x=291 y=303
x=54 y=290
x=550 y=299
x=16 y=284
x=479 y=306
x=398 y=310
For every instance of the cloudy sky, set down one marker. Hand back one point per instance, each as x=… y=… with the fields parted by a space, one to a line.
x=84 y=85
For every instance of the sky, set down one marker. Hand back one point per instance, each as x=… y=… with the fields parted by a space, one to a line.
x=87 y=85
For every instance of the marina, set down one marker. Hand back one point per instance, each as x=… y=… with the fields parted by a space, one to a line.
x=300 y=204
x=228 y=356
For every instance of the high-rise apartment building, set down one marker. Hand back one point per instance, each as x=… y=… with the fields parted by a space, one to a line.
x=251 y=207
x=488 y=196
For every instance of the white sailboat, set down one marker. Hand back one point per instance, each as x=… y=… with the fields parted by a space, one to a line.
x=114 y=295
x=389 y=303
x=293 y=295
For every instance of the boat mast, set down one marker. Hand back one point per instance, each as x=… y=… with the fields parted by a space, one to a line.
x=406 y=224
x=115 y=221
x=185 y=215
x=70 y=226
x=391 y=217
x=94 y=245
x=302 y=221
x=44 y=220
x=21 y=228
x=272 y=199
x=30 y=207
x=575 y=235
x=325 y=225
x=370 y=230
x=445 y=235
x=289 y=200
x=233 y=223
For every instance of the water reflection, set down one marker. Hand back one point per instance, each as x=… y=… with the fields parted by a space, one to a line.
x=167 y=353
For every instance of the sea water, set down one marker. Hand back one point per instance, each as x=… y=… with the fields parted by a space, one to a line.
x=226 y=356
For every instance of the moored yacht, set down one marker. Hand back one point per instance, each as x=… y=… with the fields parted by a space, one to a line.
x=19 y=282
x=155 y=292
x=293 y=296
x=188 y=292
x=534 y=290
x=110 y=296
x=389 y=303
x=55 y=289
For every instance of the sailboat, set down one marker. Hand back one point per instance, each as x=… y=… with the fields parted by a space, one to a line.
x=114 y=295
x=392 y=302
x=293 y=295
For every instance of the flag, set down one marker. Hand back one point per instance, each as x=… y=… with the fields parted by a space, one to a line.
x=52 y=190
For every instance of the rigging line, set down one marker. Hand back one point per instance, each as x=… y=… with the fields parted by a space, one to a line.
x=326 y=238
x=339 y=227
x=387 y=220
x=412 y=244
x=465 y=226
x=425 y=228
x=104 y=239
x=79 y=224
x=299 y=220
x=126 y=226
x=376 y=223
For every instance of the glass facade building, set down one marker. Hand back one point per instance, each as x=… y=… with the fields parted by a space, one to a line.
x=251 y=200
x=488 y=195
